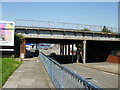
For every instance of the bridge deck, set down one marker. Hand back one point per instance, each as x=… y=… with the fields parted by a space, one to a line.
x=68 y=34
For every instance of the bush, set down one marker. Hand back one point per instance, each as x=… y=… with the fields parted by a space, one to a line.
x=105 y=29
x=12 y=56
x=85 y=29
x=19 y=38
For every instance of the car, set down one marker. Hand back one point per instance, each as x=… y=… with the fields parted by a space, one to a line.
x=45 y=48
x=52 y=55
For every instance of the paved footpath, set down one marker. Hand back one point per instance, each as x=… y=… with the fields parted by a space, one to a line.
x=105 y=66
x=30 y=74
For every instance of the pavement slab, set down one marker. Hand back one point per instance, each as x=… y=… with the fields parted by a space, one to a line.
x=104 y=66
x=30 y=74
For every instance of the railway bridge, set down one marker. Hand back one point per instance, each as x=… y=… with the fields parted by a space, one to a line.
x=97 y=45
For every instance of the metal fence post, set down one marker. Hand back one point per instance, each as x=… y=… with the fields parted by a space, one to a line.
x=61 y=77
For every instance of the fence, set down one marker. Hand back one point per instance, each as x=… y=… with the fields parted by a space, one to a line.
x=63 y=77
x=63 y=25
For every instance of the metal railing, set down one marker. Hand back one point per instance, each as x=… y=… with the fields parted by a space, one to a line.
x=62 y=25
x=63 y=77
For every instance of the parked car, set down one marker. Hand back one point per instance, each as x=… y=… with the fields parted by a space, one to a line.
x=45 y=48
x=52 y=55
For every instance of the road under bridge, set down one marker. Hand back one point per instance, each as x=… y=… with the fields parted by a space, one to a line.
x=93 y=51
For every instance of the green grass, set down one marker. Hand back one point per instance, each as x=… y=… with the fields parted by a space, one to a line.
x=9 y=65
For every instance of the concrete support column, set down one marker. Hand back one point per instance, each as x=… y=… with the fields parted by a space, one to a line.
x=69 y=50
x=77 y=53
x=65 y=50
x=60 y=49
x=84 y=51
x=72 y=49
x=72 y=52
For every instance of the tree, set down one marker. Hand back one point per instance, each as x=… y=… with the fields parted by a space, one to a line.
x=85 y=29
x=79 y=45
x=19 y=38
x=105 y=29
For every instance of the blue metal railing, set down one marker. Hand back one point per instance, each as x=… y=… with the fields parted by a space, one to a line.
x=63 y=77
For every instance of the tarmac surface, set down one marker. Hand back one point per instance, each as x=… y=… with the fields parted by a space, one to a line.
x=103 y=78
x=102 y=74
x=30 y=74
x=104 y=66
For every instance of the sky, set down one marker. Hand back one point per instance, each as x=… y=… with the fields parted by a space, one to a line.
x=91 y=13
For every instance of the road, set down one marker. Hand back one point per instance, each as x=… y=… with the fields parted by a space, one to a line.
x=99 y=78
x=48 y=51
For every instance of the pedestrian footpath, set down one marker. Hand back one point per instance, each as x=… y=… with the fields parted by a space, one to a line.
x=104 y=66
x=30 y=74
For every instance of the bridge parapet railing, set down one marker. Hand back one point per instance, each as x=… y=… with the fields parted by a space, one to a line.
x=62 y=25
x=63 y=77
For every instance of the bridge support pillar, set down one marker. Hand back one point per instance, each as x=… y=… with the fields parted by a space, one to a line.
x=60 y=49
x=77 y=53
x=84 y=51
x=68 y=49
x=72 y=52
x=65 y=50
x=72 y=49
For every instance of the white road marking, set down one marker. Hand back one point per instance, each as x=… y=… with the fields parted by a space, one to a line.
x=116 y=75
x=110 y=73
x=38 y=61
x=100 y=66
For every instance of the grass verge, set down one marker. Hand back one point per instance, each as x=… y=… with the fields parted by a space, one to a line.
x=8 y=66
